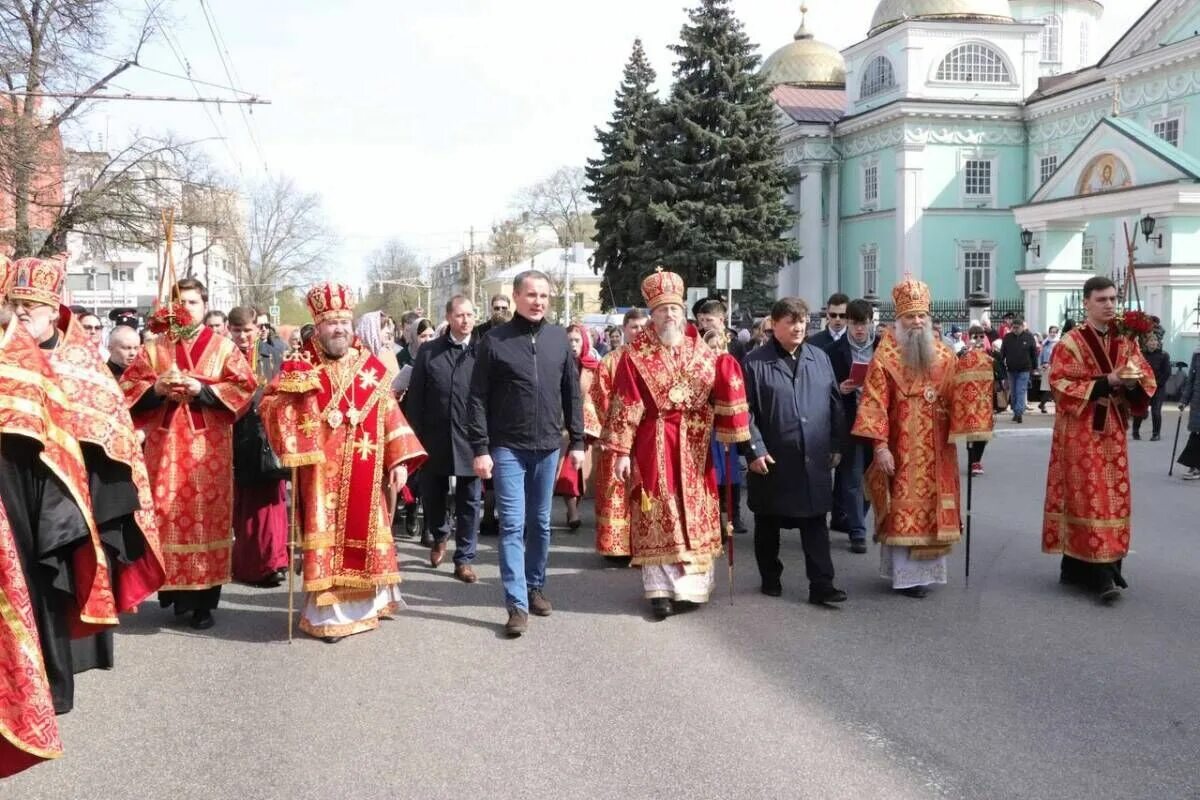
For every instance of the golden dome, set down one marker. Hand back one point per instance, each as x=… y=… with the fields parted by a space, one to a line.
x=805 y=62
x=893 y=12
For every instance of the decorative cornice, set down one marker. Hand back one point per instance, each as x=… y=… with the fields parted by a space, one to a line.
x=917 y=135
x=809 y=149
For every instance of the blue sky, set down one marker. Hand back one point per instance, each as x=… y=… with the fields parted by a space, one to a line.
x=417 y=119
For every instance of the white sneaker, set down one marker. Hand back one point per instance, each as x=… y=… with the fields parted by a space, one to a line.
x=1193 y=475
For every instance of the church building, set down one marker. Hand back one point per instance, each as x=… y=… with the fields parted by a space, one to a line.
x=989 y=148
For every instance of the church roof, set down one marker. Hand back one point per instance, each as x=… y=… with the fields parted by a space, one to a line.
x=805 y=62
x=811 y=105
x=1184 y=162
x=892 y=12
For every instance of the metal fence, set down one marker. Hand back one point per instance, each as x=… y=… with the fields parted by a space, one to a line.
x=957 y=312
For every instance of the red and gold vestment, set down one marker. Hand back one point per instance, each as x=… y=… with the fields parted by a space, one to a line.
x=34 y=406
x=189 y=452
x=612 y=501
x=1088 y=504
x=28 y=727
x=914 y=414
x=344 y=437
x=97 y=415
x=661 y=412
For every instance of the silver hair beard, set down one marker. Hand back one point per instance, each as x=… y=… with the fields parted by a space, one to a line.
x=916 y=347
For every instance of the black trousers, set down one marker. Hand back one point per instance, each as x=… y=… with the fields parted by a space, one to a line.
x=465 y=526
x=814 y=538
x=975 y=451
x=1156 y=404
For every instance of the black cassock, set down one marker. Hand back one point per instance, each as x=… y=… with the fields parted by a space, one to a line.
x=47 y=526
x=114 y=499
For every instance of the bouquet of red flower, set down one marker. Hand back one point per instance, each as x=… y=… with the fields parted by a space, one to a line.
x=172 y=319
x=1134 y=324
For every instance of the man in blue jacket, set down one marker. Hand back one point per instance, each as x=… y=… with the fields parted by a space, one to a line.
x=524 y=393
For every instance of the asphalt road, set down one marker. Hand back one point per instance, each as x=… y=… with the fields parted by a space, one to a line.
x=1012 y=688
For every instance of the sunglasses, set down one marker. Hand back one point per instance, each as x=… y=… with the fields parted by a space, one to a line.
x=835 y=315
x=499 y=308
x=93 y=327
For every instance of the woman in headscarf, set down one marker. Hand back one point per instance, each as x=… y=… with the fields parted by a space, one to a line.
x=571 y=482
x=372 y=332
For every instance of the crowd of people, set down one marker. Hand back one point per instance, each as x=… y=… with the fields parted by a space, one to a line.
x=179 y=457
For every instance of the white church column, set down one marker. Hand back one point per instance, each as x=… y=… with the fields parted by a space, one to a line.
x=811 y=263
x=910 y=203
x=833 y=277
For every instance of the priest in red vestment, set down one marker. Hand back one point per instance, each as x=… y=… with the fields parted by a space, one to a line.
x=612 y=506
x=670 y=388
x=186 y=389
x=331 y=414
x=913 y=409
x=1099 y=378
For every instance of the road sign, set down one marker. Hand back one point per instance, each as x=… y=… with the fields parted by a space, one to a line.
x=694 y=295
x=274 y=312
x=729 y=276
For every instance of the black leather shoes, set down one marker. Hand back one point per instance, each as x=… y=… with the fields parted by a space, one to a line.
x=823 y=596
x=915 y=591
x=858 y=546
x=772 y=589
x=661 y=607
x=202 y=620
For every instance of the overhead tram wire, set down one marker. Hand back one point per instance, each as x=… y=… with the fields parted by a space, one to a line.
x=165 y=74
x=222 y=52
x=185 y=65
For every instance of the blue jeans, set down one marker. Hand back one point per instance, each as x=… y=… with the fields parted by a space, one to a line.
x=1019 y=384
x=848 y=498
x=524 y=485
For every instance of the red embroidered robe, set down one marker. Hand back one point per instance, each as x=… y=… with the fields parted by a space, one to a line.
x=28 y=727
x=352 y=436
x=1088 y=503
x=914 y=415
x=97 y=415
x=612 y=507
x=189 y=453
x=661 y=412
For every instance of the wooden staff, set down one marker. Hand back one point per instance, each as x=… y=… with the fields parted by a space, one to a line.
x=729 y=513
x=291 y=572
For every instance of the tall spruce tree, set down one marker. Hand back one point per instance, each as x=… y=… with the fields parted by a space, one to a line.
x=718 y=186
x=625 y=231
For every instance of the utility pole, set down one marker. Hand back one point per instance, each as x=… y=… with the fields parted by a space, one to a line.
x=471 y=266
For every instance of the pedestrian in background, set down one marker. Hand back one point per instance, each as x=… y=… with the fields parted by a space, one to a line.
x=572 y=481
x=856 y=347
x=1018 y=349
x=1190 y=457
x=1160 y=362
x=524 y=392
x=1044 y=356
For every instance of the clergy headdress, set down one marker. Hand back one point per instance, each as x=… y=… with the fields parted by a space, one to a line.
x=330 y=301
x=37 y=280
x=662 y=288
x=910 y=295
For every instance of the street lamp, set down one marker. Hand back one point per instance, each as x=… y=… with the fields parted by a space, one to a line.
x=1027 y=241
x=1148 y=224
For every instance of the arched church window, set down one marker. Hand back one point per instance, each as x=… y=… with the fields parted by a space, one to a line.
x=974 y=63
x=1052 y=38
x=878 y=77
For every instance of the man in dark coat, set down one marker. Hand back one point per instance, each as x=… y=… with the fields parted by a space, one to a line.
x=835 y=322
x=436 y=405
x=711 y=314
x=797 y=434
x=857 y=346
